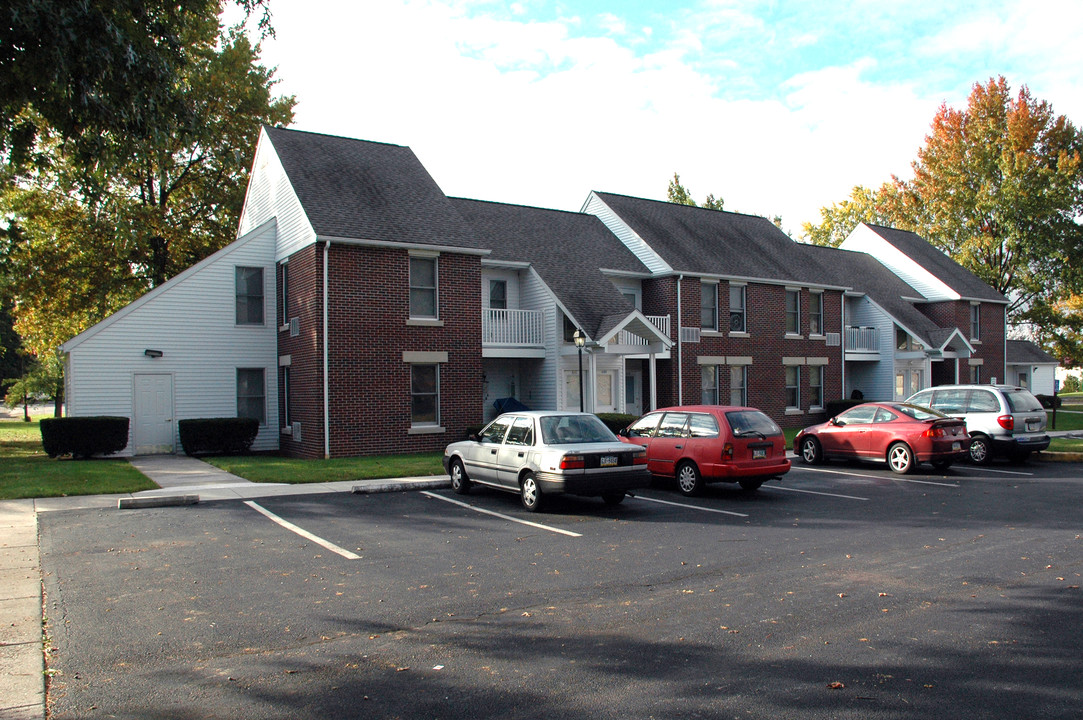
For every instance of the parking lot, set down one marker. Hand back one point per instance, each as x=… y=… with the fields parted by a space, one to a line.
x=843 y=591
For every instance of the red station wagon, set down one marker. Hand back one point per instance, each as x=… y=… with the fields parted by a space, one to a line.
x=698 y=444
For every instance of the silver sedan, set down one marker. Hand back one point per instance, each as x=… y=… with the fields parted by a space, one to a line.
x=536 y=453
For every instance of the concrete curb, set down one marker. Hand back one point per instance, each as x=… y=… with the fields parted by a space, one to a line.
x=1063 y=457
x=134 y=503
x=392 y=486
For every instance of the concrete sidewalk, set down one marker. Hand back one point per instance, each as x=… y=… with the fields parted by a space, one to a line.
x=180 y=478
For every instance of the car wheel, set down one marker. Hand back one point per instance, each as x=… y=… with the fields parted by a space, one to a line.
x=750 y=485
x=530 y=493
x=980 y=452
x=900 y=458
x=460 y=483
x=613 y=498
x=811 y=452
x=941 y=464
x=689 y=481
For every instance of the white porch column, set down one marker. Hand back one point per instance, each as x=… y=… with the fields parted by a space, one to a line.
x=654 y=381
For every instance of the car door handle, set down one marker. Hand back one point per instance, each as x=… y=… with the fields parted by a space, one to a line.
x=492 y=452
x=522 y=454
x=678 y=447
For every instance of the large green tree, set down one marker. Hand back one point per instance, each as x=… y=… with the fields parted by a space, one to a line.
x=83 y=233
x=998 y=186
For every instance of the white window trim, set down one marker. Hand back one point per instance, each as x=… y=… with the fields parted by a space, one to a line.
x=820 y=295
x=744 y=310
x=792 y=334
x=713 y=285
x=425 y=319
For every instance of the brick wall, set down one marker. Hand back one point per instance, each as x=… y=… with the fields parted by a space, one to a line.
x=304 y=302
x=992 y=341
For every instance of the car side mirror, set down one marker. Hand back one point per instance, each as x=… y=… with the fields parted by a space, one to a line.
x=836 y=421
x=623 y=432
x=474 y=437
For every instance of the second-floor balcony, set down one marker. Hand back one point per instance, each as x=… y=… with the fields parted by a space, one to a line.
x=862 y=339
x=512 y=328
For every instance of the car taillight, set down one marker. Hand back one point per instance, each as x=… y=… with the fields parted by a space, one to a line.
x=572 y=462
x=934 y=432
x=1007 y=422
x=727 y=451
x=639 y=459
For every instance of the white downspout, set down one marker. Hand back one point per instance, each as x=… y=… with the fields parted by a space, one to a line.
x=842 y=347
x=326 y=360
x=680 y=346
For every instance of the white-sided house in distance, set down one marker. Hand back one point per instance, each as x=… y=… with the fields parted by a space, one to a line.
x=199 y=345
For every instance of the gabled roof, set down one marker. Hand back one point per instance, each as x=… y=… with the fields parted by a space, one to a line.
x=700 y=241
x=356 y=189
x=937 y=263
x=1025 y=352
x=568 y=250
x=869 y=276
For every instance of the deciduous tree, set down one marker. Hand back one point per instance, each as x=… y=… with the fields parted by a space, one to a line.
x=679 y=194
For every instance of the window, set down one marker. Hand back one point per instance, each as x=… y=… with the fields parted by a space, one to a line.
x=673 y=425
x=422 y=287
x=906 y=341
x=521 y=433
x=569 y=329
x=702 y=426
x=644 y=426
x=249 y=288
x=737 y=308
x=816 y=386
x=285 y=293
x=285 y=370
x=816 y=313
x=793 y=387
x=858 y=415
x=494 y=432
x=975 y=374
x=709 y=384
x=708 y=306
x=975 y=322
x=251 y=394
x=424 y=395
x=793 y=312
x=738 y=385
x=498 y=294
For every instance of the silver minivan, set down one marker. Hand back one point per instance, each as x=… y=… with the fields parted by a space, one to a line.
x=1003 y=420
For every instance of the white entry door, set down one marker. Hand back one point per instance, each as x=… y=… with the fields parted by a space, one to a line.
x=607 y=395
x=633 y=392
x=153 y=420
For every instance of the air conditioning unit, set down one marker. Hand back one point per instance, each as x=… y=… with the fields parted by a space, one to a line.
x=690 y=334
x=295 y=327
x=834 y=339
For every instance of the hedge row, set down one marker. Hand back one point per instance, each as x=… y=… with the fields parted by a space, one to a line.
x=218 y=436
x=83 y=437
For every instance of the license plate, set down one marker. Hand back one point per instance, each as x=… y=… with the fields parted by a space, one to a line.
x=1033 y=425
x=759 y=453
x=609 y=461
x=956 y=446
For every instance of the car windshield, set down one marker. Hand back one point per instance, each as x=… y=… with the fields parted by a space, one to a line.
x=751 y=422
x=1023 y=401
x=918 y=412
x=565 y=429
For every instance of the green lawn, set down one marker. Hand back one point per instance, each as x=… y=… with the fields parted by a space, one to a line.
x=27 y=472
x=274 y=469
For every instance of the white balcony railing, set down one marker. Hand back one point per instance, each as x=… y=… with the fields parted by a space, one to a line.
x=511 y=327
x=659 y=321
x=862 y=339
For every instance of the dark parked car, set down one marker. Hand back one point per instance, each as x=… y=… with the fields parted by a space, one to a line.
x=900 y=434
x=1002 y=420
x=536 y=454
x=698 y=444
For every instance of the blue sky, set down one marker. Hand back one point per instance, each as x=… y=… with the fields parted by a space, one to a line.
x=778 y=107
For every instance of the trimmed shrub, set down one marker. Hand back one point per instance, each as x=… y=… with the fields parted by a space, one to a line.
x=617 y=421
x=1050 y=401
x=83 y=437
x=834 y=407
x=218 y=436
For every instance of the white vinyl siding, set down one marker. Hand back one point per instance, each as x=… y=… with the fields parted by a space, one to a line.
x=191 y=320
x=654 y=262
x=270 y=196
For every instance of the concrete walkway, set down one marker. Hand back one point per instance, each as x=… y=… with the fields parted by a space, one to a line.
x=181 y=480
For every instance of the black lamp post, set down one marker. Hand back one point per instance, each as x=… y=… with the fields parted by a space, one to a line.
x=580 y=340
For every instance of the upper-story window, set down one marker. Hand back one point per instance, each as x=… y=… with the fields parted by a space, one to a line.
x=816 y=313
x=737 y=309
x=423 y=287
x=906 y=341
x=249 y=291
x=498 y=294
x=708 y=306
x=793 y=312
x=285 y=270
x=975 y=321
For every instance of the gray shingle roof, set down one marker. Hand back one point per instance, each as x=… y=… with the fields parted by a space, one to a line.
x=1026 y=352
x=714 y=242
x=366 y=190
x=566 y=249
x=951 y=273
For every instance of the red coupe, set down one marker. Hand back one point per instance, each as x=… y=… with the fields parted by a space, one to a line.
x=900 y=434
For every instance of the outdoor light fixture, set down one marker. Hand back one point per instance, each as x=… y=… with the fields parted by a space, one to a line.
x=580 y=340
x=152 y=353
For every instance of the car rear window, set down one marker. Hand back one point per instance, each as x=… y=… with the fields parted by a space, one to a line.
x=983 y=401
x=751 y=422
x=1023 y=401
x=562 y=429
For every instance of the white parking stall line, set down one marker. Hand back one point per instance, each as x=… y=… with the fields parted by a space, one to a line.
x=986 y=469
x=303 y=533
x=434 y=496
x=879 y=477
x=691 y=507
x=812 y=492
